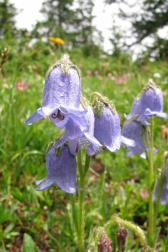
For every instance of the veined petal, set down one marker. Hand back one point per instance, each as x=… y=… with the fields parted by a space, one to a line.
x=148 y=103
x=107 y=129
x=136 y=107
x=34 y=117
x=133 y=130
x=61 y=169
x=62 y=88
x=62 y=85
x=152 y=98
x=41 y=113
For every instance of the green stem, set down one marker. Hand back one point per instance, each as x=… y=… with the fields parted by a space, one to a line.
x=81 y=205
x=73 y=212
x=151 y=212
x=82 y=175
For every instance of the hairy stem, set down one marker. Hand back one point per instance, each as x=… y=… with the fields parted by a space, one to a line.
x=136 y=229
x=82 y=175
x=151 y=232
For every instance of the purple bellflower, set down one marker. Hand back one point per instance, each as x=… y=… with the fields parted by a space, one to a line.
x=161 y=185
x=164 y=188
x=149 y=103
x=79 y=133
x=134 y=130
x=61 y=170
x=61 y=95
x=61 y=167
x=107 y=128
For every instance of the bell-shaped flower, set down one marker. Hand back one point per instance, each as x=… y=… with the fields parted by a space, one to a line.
x=107 y=128
x=78 y=132
x=61 y=170
x=62 y=91
x=134 y=130
x=149 y=103
x=161 y=188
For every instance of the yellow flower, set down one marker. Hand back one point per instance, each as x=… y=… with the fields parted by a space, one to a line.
x=56 y=40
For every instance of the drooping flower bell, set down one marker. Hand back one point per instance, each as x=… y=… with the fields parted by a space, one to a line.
x=62 y=92
x=161 y=185
x=61 y=170
x=162 y=189
x=107 y=128
x=149 y=103
x=79 y=133
x=134 y=130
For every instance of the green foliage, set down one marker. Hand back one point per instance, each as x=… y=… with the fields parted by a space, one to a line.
x=59 y=20
x=40 y=220
x=146 y=23
x=153 y=18
x=70 y=21
x=29 y=244
x=7 y=19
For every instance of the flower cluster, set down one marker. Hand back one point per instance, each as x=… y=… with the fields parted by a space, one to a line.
x=94 y=126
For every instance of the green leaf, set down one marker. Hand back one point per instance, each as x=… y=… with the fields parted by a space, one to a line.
x=29 y=244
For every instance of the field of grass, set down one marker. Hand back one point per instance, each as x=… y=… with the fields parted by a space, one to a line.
x=41 y=221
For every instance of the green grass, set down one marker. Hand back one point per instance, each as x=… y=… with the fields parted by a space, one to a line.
x=39 y=221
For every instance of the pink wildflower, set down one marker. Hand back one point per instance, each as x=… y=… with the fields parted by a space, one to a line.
x=21 y=85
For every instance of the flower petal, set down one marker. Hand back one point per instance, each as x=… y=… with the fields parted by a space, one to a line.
x=149 y=103
x=93 y=145
x=40 y=113
x=133 y=130
x=107 y=129
x=37 y=115
x=62 y=88
x=152 y=98
x=128 y=142
x=69 y=117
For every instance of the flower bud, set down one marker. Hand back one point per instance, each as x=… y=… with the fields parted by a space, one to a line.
x=122 y=239
x=104 y=244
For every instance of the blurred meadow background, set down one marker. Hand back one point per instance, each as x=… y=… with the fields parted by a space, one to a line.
x=40 y=221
